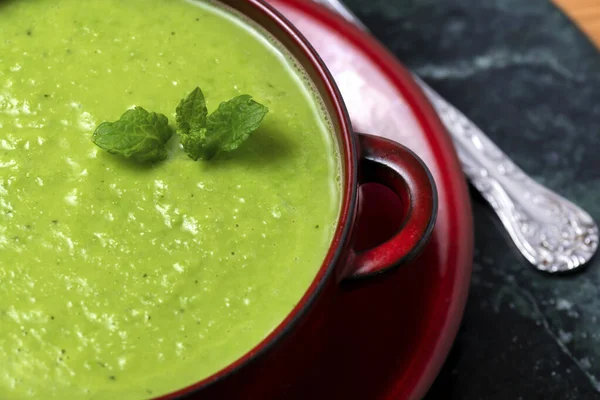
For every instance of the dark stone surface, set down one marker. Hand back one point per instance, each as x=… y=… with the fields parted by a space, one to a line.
x=525 y=74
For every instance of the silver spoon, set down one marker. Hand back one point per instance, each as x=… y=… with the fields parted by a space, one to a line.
x=552 y=233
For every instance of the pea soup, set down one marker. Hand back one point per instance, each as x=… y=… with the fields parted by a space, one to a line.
x=127 y=280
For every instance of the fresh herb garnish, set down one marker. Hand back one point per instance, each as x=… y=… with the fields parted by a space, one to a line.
x=192 y=112
x=225 y=129
x=142 y=135
x=138 y=134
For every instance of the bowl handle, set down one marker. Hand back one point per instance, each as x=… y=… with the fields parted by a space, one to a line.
x=393 y=165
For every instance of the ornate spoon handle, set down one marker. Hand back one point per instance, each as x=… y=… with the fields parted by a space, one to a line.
x=552 y=233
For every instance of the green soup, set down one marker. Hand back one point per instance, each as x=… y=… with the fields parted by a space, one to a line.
x=126 y=281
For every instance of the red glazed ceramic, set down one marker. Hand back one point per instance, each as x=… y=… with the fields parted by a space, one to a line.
x=391 y=336
x=272 y=367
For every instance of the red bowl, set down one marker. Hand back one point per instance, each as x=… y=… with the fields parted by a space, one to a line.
x=270 y=369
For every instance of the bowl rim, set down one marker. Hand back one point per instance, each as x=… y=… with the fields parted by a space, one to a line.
x=320 y=75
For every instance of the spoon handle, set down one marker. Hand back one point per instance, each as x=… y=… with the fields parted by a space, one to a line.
x=552 y=233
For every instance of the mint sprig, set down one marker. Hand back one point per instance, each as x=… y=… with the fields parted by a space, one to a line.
x=225 y=129
x=138 y=134
x=142 y=135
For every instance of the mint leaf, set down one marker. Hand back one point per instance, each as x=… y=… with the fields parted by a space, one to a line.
x=226 y=128
x=138 y=134
x=235 y=120
x=197 y=145
x=191 y=113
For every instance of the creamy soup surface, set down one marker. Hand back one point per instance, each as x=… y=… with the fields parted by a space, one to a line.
x=121 y=280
